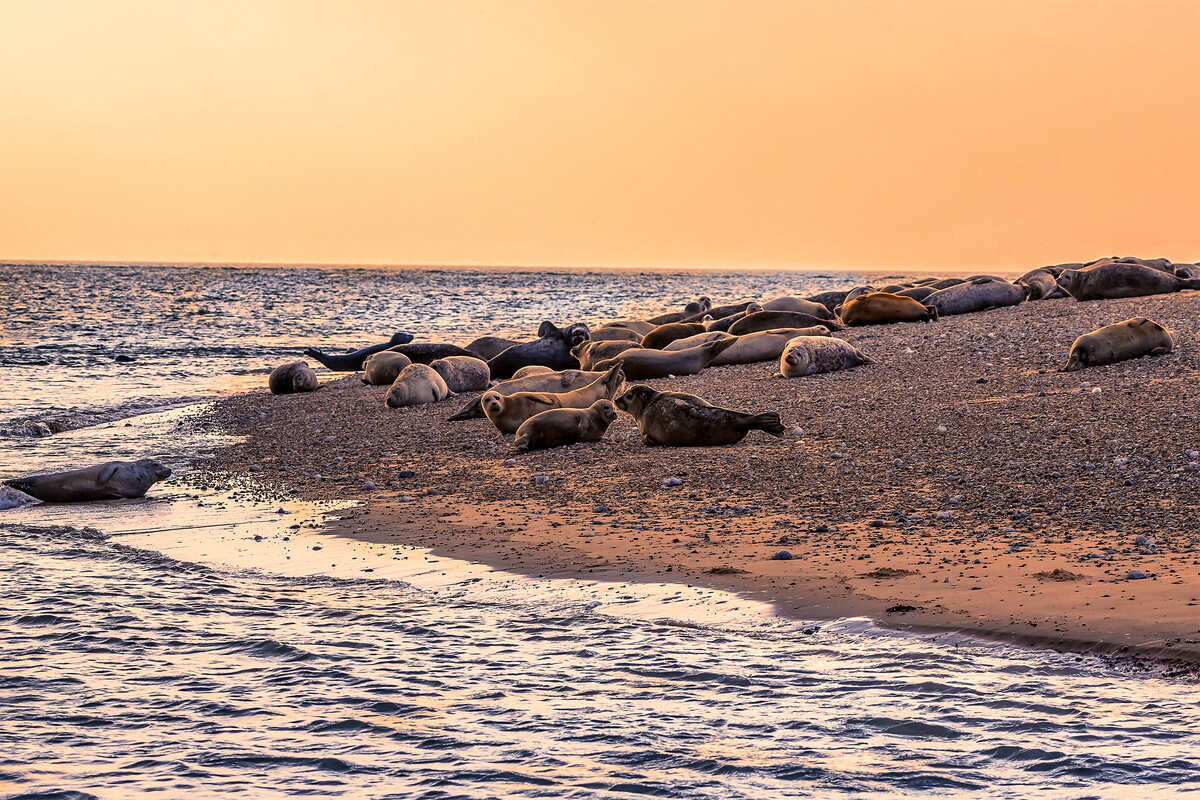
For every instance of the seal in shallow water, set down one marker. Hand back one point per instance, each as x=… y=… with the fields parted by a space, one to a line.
x=416 y=385
x=111 y=481
x=508 y=412
x=811 y=355
x=292 y=378
x=381 y=369
x=678 y=419
x=352 y=362
x=561 y=426
x=1112 y=280
x=551 y=349
x=1131 y=338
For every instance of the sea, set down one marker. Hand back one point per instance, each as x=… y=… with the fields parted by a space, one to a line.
x=197 y=643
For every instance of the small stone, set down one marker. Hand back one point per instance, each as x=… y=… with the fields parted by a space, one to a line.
x=510 y=462
x=255 y=468
x=1120 y=461
x=370 y=487
x=782 y=555
x=316 y=547
x=406 y=473
x=600 y=509
x=257 y=538
x=1135 y=575
x=541 y=478
x=797 y=431
x=981 y=380
x=821 y=529
x=942 y=515
x=941 y=428
x=672 y=482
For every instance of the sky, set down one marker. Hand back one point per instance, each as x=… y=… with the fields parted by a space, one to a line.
x=755 y=133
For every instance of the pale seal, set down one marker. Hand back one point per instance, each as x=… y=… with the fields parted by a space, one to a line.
x=590 y=353
x=642 y=364
x=811 y=355
x=797 y=304
x=292 y=378
x=616 y=333
x=1131 y=338
x=416 y=385
x=562 y=426
x=677 y=419
x=381 y=369
x=111 y=481
x=463 y=373
x=548 y=381
x=508 y=412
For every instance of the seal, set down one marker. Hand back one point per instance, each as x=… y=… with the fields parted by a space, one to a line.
x=1131 y=338
x=617 y=334
x=1042 y=283
x=486 y=347
x=699 y=339
x=769 y=320
x=551 y=349
x=917 y=293
x=642 y=364
x=978 y=295
x=416 y=385
x=754 y=348
x=945 y=283
x=677 y=419
x=701 y=306
x=1114 y=279
x=426 y=352
x=508 y=412
x=639 y=326
x=292 y=378
x=381 y=369
x=723 y=323
x=532 y=369
x=110 y=481
x=463 y=373
x=830 y=300
x=352 y=362
x=590 y=353
x=548 y=381
x=560 y=426
x=797 y=304
x=811 y=355
x=663 y=335
x=879 y=308
x=1187 y=271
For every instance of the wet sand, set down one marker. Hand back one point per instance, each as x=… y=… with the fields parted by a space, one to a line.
x=960 y=482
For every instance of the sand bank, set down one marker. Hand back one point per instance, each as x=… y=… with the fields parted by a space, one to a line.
x=961 y=476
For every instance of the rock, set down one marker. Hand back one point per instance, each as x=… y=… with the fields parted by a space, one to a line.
x=672 y=482
x=13 y=498
x=797 y=431
x=900 y=608
x=600 y=509
x=121 y=358
x=369 y=486
x=1135 y=575
x=541 y=478
x=406 y=473
x=782 y=555
x=942 y=515
x=255 y=468
x=941 y=428
x=1144 y=541
x=510 y=462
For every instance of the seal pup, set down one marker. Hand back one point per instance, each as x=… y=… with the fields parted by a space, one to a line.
x=768 y=320
x=1116 y=279
x=561 y=426
x=425 y=352
x=677 y=419
x=416 y=385
x=352 y=362
x=486 y=347
x=978 y=295
x=381 y=369
x=463 y=373
x=642 y=364
x=551 y=349
x=590 y=353
x=797 y=304
x=663 y=335
x=547 y=381
x=723 y=323
x=292 y=378
x=878 y=308
x=1131 y=338
x=111 y=481
x=508 y=412
x=811 y=355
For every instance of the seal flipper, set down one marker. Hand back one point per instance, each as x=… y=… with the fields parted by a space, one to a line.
x=767 y=422
x=472 y=410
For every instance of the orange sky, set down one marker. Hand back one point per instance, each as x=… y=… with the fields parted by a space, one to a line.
x=930 y=133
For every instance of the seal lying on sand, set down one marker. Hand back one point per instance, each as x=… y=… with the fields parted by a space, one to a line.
x=352 y=362
x=917 y=293
x=416 y=385
x=292 y=378
x=1131 y=338
x=560 y=426
x=663 y=335
x=769 y=320
x=552 y=349
x=382 y=369
x=811 y=355
x=1112 y=280
x=977 y=295
x=110 y=481
x=878 y=308
x=723 y=323
x=590 y=353
x=427 y=352
x=796 y=304
x=694 y=308
x=615 y=333
x=751 y=348
x=1042 y=283
x=486 y=347
x=463 y=373
x=548 y=381
x=830 y=300
x=508 y=412
x=677 y=419
x=642 y=364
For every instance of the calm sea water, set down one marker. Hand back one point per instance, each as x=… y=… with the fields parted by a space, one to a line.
x=176 y=670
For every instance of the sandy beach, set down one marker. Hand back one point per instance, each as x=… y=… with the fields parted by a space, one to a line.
x=960 y=482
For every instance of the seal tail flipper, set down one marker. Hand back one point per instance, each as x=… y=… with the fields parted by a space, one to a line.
x=472 y=410
x=522 y=443
x=21 y=485
x=767 y=422
x=1190 y=283
x=319 y=356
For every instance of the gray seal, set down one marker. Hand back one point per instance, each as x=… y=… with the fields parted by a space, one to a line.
x=486 y=347
x=1131 y=338
x=353 y=361
x=812 y=355
x=463 y=373
x=769 y=320
x=428 y=352
x=978 y=295
x=561 y=426
x=1116 y=279
x=292 y=378
x=111 y=481
x=677 y=419
x=551 y=349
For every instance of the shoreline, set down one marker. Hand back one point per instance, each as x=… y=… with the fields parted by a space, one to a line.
x=947 y=476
